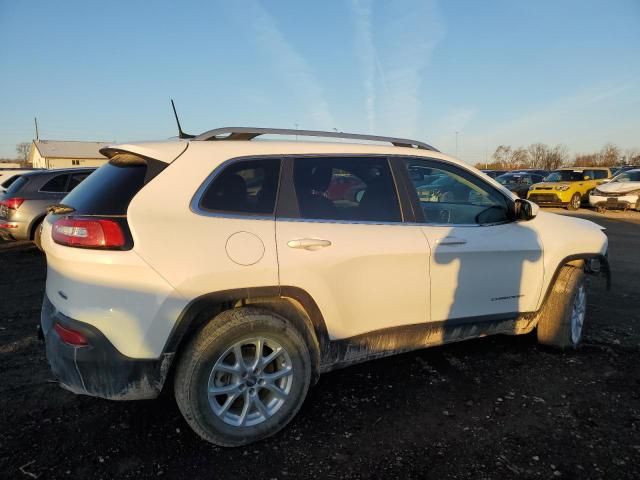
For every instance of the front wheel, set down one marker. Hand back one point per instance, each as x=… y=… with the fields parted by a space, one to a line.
x=561 y=318
x=574 y=203
x=243 y=377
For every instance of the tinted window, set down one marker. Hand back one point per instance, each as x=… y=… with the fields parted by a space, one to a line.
x=599 y=174
x=108 y=190
x=7 y=183
x=355 y=189
x=76 y=179
x=449 y=195
x=56 y=185
x=246 y=187
x=17 y=184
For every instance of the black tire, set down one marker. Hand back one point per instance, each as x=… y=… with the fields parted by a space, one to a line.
x=36 y=233
x=194 y=370
x=555 y=317
x=575 y=202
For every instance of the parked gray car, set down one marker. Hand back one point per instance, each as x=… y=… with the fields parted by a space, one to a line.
x=24 y=204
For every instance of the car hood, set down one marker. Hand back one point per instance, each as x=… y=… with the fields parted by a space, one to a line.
x=619 y=187
x=550 y=184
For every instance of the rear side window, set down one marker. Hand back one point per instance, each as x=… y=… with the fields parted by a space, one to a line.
x=77 y=179
x=108 y=190
x=57 y=184
x=599 y=174
x=349 y=189
x=245 y=187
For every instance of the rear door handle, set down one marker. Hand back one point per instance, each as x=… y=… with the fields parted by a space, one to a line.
x=308 y=243
x=451 y=241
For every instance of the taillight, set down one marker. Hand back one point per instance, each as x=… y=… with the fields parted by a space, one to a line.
x=71 y=337
x=88 y=233
x=12 y=203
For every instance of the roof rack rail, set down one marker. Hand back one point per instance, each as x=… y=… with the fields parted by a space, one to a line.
x=248 y=133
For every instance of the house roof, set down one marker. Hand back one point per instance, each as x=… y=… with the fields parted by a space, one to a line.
x=69 y=149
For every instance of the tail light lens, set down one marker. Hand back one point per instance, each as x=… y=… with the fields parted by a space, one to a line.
x=88 y=233
x=71 y=337
x=12 y=203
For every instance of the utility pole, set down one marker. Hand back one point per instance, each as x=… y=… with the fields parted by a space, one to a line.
x=296 y=125
x=35 y=119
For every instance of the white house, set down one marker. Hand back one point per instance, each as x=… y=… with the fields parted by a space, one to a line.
x=63 y=154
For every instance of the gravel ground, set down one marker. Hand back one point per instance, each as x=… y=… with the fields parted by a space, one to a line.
x=499 y=407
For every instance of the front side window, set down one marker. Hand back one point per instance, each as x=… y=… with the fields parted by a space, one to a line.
x=450 y=195
x=57 y=184
x=244 y=187
x=346 y=188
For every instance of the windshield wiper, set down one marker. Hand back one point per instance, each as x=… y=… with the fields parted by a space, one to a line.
x=60 y=208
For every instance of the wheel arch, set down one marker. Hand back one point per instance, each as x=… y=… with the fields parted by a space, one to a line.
x=579 y=260
x=291 y=303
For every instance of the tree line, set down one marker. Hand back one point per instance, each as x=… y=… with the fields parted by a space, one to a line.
x=545 y=157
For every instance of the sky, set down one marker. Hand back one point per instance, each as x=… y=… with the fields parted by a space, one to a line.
x=496 y=72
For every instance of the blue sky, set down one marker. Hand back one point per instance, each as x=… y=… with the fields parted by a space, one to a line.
x=498 y=72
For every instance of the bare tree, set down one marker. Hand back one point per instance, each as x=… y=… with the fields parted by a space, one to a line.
x=609 y=155
x=502 y=155
x=22 y=149
x=538 y=153
x=556 y=157
x=632 y=156
x=519 y=158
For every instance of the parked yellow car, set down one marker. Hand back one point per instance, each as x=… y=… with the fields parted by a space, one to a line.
x=568 y=187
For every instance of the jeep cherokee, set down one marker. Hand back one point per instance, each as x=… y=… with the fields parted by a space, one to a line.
x=222 y=265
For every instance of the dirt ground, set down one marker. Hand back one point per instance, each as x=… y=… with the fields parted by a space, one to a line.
x=499 y=407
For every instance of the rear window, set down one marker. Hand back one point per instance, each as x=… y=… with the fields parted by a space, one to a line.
x=108 y=190
x=7 y=183
x=17 y=184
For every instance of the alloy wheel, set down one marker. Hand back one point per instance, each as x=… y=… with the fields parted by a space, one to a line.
x=578 y=311
x=250 y=382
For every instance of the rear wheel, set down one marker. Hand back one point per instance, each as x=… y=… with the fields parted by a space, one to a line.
x=561 y=318
x=243 y=377
x=574 y=203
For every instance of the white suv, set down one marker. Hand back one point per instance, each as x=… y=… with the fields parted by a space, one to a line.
x=242 y=269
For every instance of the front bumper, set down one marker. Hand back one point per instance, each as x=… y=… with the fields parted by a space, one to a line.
x=547 y=198
x=622 y=202
x=98 y=369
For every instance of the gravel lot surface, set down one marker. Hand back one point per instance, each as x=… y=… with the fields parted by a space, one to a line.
x=500 y=407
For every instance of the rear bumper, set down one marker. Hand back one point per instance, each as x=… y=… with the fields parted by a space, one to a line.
x=98 y=369
x=13 y=230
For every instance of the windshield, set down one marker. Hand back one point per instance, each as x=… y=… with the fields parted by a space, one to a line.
x=632 y=176
x=565 y=176
x=511 y=178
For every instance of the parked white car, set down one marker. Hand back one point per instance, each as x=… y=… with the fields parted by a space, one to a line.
x=242 y=269
x=622 y=192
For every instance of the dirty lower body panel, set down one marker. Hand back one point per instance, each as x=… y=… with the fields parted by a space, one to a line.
x=98 y=369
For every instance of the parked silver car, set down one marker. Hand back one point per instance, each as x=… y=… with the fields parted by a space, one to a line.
x=24 y=204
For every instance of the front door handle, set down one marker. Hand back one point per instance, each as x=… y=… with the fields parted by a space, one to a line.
x=451 y=241
x=308 y=243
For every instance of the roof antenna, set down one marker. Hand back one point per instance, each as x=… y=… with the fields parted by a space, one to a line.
x=181 y=134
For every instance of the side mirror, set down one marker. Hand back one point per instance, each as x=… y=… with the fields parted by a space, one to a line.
x=587 y=177
x=526 y=210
